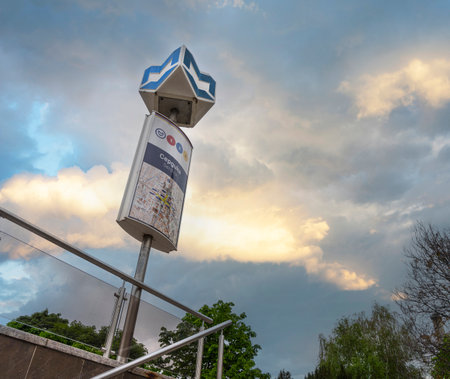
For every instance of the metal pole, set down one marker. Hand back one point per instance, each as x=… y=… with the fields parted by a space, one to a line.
x=120 y=297
x=198 y=365
x=135 y=298
x=220 y=358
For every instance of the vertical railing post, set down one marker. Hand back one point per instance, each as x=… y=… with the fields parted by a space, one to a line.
x=114 y=319
x=220 y=357
x=198 y=365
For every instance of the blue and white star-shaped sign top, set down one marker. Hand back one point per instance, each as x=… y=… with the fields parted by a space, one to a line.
x=178 y=83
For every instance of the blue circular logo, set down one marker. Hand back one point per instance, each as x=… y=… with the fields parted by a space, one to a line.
x=160 y=133
x=179 y=148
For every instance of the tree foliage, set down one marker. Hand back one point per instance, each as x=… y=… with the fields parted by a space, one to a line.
x=424 y=298
x=441 y=361
x=362 y=347
x=239 y=351
x=54 y=326
x=283 y=374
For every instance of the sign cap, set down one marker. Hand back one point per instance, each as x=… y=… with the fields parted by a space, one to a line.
x=178 y=89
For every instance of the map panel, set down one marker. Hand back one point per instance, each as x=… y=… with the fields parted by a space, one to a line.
x=158 y=201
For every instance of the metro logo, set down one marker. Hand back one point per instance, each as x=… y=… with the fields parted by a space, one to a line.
x=160 y=133
x=171 y=141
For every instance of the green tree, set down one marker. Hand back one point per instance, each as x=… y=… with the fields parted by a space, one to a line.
x=283 y=374
x=55 y=327
x=239 y=351
x=362 y=347
x=137 y=349
x=441 y=362
x=323 y=372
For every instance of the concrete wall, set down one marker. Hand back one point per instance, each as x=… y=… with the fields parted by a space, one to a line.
x=26 y=356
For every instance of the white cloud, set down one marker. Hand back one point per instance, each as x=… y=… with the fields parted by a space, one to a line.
x=378 y=95
x=252 y=226
x=11 y=270
x=338 y=274
x=246 y=225
x=81 y=206
x=241 y=4
x=12 y=248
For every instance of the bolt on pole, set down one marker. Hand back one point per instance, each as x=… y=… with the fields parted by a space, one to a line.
x=135 y=298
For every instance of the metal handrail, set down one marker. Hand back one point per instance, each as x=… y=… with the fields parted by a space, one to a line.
x=163 y=351
x=74 y=250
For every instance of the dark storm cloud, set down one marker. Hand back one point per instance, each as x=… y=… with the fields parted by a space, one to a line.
x=371 y=165
x=378 y=185
x=222 y=168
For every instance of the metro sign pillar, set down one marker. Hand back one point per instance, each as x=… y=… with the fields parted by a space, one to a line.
x=177 y=94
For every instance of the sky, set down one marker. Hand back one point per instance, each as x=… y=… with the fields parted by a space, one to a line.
x=328 y=141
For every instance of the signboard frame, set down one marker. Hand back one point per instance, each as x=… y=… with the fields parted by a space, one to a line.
x=156 y=159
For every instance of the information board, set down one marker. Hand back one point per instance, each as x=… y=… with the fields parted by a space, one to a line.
x=154 y=196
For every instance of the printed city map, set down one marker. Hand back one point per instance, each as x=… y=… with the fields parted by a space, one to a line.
x=158 y=201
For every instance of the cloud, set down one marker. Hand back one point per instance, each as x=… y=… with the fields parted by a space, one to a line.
x=241 y=4
x=51 y=148
x=254 y=228
x=378 y=95
x=257 y=226
x=14 y=277
x=338 y=274
x=10 y=246
x=257 y=168
x=81 y=207
x=222 y=166
x=244 y=147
